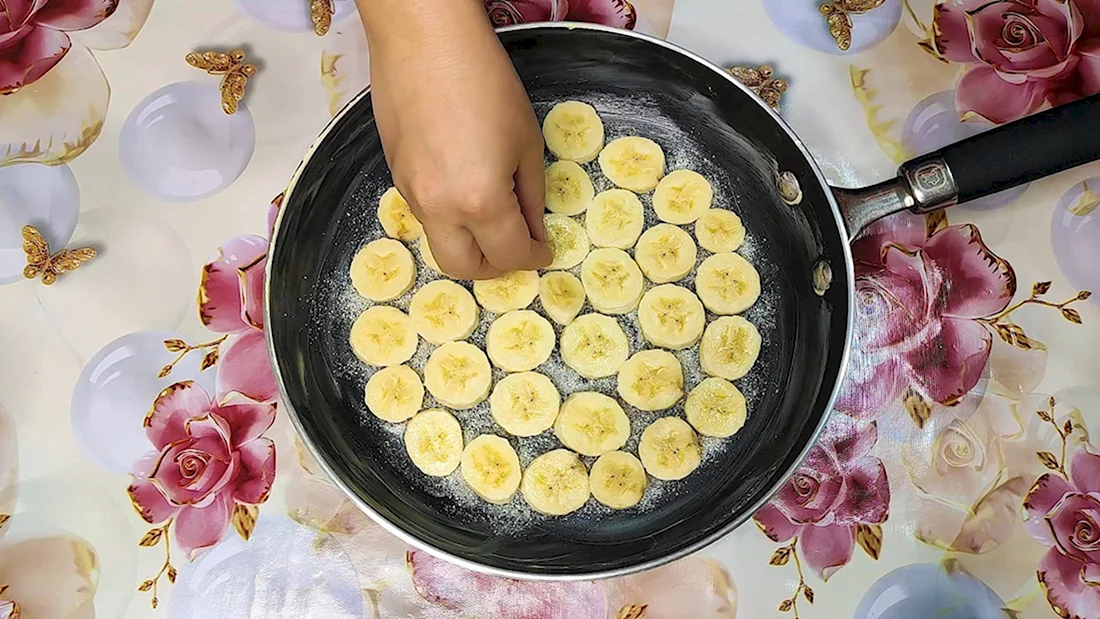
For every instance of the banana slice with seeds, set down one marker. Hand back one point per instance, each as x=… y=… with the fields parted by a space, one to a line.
x=665 y=253
x=719 y=230
x=651 y=380
x=555 y=483
x=491 y=468
x=682 y=197
x=669 y=449
x=618 y=480
x=562 y=296
x=382 y=336
x=633 y=163
x=594 y=345
x=615 y=219
x=568 y=189
x=567 y=240
x=458 y=375
x=519 y=341
x=573 y=131
x=727 y=284
x=443 y=311
x=716 y=408
x=612 y=281
x=525 y=404
x=671 y=317
x=433 y=440
x=729 y=348
x=591 y=424
x=511 y=291
x=397 y=218
x=395 y=393
x=383 y=270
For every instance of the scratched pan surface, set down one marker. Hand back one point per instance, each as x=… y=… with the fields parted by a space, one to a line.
x=704 y=121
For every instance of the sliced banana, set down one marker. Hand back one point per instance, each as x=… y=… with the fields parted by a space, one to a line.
x=458 y=375
x=567 y=240
x=443 y=311
x=671 y=317
x=727 y=284
x=525 y=404
x=511 y=291
x=491 y=468
x=555 y=483
x=716 y=408
x=519 y=341
x=383 y=270
x=594 y=345
x=618 y=480
x=651 y=380
x=669 y=449
x=433 y=440
x=568 y=189
x=633 y=163
x=383 y=335
x=665 y=253
x=397 y=218
x=615 y=219
x=426 y=255
x=562 y=296
x=395 y=393
x=729 y=348
x=591 y=424
x=573 y=131
x=612 y=281
x=719 y=230
x=682 y=197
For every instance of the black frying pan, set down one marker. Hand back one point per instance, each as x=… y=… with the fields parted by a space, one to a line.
x=706 y=120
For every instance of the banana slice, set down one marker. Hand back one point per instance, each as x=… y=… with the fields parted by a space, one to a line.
x=562 y=296
x=573 y=131
x=426 y=255
x=716 y=408
x=651 y=380
x=433 y=440
x=618 y=480
x=458 y=375
x=519 y=341
x=594 y=345
x=397 y=218
x=669 y=449
x=665 y=253
x=612 y=281
x=395 y=393
x=511 y=291
x=591 y=424
x=567 y=240
x=568 y=188
x=555 y=483
x=633 y=163
x=383 y=335
x=719 y=230
x=729 y=348
x=682 y=197
x=491 y=468
x=443 y=311
x=525 y=404
x=727 y=284
x=383 y=270
x=615 y=219
x=671 y=317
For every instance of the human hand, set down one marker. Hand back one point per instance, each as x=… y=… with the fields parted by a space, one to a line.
x=459 y=134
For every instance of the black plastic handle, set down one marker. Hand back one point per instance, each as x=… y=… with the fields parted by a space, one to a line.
x=1026 y=150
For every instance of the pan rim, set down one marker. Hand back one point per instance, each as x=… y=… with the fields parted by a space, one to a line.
x=395 y=528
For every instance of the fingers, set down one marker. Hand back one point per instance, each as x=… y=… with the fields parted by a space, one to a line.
x=458 y=254
x=506 y=242
x=530 y=182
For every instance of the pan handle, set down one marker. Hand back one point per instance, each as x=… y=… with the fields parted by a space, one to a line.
x=1010 y=155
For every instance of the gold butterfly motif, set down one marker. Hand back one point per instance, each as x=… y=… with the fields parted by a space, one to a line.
x=41 y=264
x=232 y=66
x=839 y=17
x=320 y=13
x=760 y=81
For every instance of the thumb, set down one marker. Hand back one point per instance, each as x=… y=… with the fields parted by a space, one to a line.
x=530 y=181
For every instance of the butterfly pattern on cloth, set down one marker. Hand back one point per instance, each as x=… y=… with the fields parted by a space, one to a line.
x=232 y=66
x=40 y=263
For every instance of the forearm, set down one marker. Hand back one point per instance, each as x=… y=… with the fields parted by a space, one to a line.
x=402 y=26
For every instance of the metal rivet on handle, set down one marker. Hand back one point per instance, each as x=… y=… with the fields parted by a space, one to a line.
x=789 y=190
x=822 y=277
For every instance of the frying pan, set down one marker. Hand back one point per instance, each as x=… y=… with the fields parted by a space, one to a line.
x=705 y=120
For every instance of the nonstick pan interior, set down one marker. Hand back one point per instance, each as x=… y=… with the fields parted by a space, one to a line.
x=703 y=121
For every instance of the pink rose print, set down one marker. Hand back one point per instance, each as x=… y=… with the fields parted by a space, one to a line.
x=33 y=35
x=922 y=308
x=210 y=457
x=617 y=13
x=1022 y=54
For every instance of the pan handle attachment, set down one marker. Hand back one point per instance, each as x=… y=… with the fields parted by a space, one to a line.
x=1010 y=155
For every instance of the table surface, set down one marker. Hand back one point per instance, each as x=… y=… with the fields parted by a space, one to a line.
x=957 y=476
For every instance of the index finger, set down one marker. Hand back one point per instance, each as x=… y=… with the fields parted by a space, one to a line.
x=507 y=242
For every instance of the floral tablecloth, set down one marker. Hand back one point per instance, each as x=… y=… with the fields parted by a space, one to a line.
x=147 y=469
